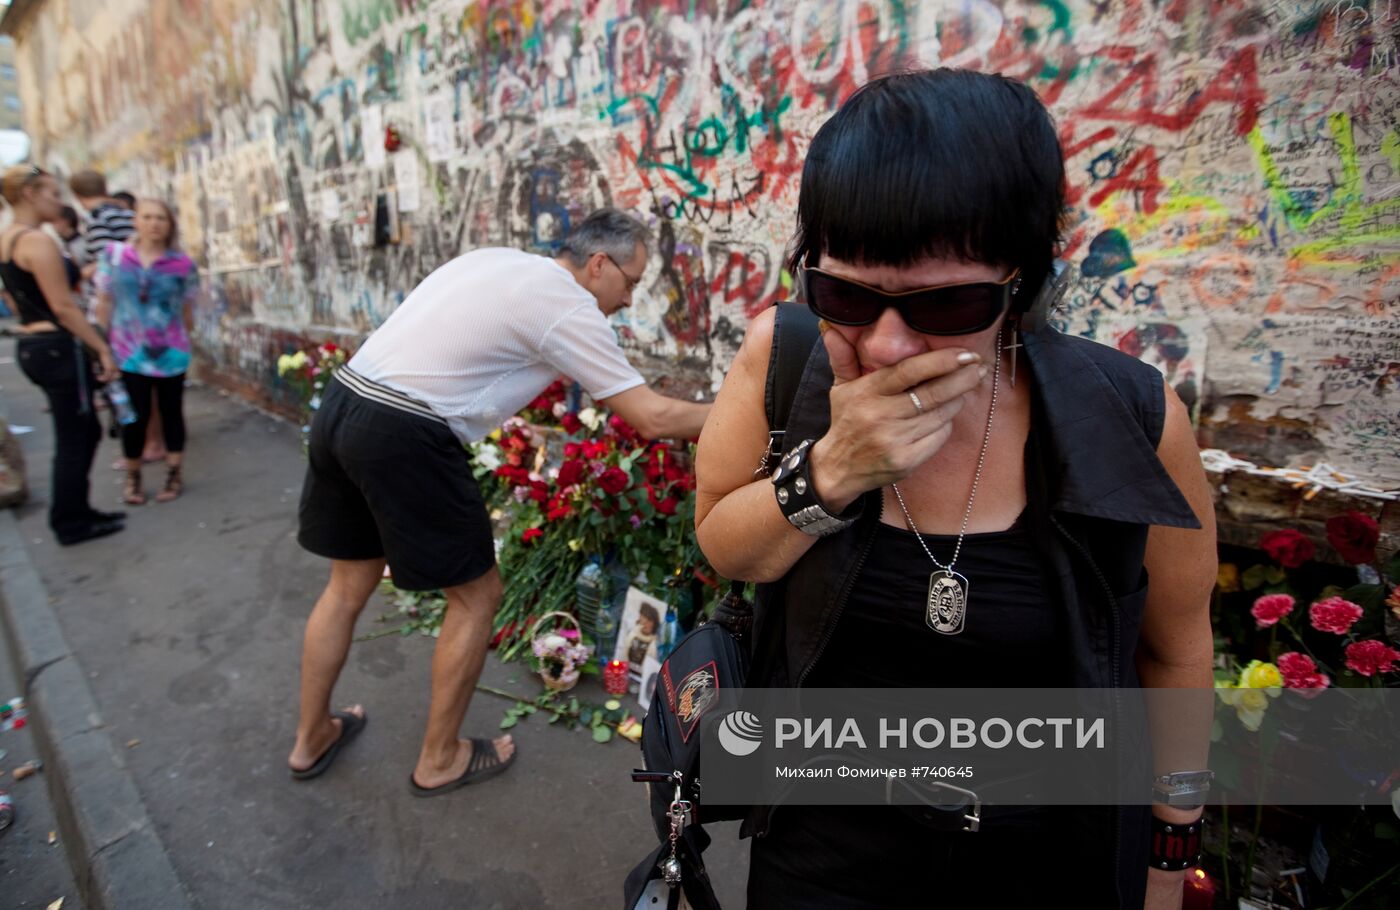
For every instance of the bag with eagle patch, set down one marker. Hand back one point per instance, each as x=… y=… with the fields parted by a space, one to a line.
x=711 y=659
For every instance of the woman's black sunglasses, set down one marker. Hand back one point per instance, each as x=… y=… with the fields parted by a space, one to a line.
x=949 y=309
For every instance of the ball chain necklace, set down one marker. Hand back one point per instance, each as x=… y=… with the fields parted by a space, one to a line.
x=946 y=611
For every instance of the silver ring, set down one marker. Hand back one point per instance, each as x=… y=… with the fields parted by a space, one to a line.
x=914 y=397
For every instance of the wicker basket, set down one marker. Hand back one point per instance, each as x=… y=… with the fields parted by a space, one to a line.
x=566 y=681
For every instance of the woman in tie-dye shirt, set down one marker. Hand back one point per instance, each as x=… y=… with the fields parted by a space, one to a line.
x=145 y=289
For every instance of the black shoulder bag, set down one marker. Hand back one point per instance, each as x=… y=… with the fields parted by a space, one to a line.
x=711 y=658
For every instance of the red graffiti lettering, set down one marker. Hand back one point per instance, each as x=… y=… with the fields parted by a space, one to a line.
x=1134 y=98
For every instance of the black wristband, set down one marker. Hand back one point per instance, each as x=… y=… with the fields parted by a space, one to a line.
x=1175 y=846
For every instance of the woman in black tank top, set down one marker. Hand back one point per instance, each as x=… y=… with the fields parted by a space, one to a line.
x=51 y=349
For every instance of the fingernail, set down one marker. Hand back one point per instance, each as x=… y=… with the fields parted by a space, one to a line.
x=968 y=357
x=822 y=326
x=983 y=371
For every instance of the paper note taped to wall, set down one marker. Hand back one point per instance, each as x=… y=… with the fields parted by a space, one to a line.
x=372 y=135
x=406 y=180
x=437 y=127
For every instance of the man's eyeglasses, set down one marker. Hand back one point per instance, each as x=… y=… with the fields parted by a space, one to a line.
x=946 y=309
x=631 y=282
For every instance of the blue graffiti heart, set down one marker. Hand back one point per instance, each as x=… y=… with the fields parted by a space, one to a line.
x=1109 y=254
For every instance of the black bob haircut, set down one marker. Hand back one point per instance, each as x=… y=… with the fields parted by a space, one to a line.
x=935 y=163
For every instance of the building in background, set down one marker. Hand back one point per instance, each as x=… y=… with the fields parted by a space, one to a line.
x=10 y=118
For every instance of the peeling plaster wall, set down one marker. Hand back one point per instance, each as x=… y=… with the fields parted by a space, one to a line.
x=1234 y=167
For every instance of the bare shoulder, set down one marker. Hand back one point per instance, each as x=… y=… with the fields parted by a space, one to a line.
x=758 y=342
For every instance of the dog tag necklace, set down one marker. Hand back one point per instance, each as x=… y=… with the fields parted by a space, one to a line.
x=946 y=611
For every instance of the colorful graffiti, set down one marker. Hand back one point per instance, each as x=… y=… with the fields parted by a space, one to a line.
x=1233 y=165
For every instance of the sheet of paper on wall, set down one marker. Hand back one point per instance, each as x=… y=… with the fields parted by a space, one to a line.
x=372 y=135
x=330 y=204
x=406 y=180
x=437 y=126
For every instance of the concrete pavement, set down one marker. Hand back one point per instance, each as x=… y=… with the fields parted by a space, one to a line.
x=187 y=629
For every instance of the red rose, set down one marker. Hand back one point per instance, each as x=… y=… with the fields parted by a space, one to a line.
x=1371 y=657
x=594 y=449
x=572 y=450
x=558 y=512
x=1334 y=615
x=614 y=481
x=539 y=492
x=531 y=535
x=571 y=423
x=571 y=473
x=329 y=347
x=1354 y=536
x=1288 y=548
x=1299 y=672
x=516 y=476
x=1270 y=608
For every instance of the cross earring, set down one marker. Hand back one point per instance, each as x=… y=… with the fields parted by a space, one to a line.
x=1012 y=347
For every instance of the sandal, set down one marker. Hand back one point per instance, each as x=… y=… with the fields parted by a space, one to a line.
x=132 y=494
x=485 y=762
x=350 y=726
x=173 y=486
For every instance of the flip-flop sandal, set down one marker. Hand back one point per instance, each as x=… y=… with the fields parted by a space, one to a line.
x=485 y=762
x=350 y=725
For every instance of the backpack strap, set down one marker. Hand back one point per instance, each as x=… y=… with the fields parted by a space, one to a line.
x=794 y=334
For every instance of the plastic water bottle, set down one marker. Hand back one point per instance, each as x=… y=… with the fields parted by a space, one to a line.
x=588 y=596
x=121 y=402
x=670 y=633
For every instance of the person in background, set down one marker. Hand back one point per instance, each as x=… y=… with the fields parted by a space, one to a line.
x=51 y=351
x=74 y=249
x=388 y=475
x=144 y=292
x=111 y=219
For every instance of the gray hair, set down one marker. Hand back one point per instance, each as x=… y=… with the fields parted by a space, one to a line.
x=606 y=231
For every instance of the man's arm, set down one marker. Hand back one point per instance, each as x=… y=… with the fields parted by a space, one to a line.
x=657 y=416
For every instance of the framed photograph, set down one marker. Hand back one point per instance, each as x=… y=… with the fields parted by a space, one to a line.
x=640 y=629
x=651 y=671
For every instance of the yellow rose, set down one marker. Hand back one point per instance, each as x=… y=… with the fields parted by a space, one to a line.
x=284 y=363
x=1251 y=706
x=1260 y=675
x=1227 y=578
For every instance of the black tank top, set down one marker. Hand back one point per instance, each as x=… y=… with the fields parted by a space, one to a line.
x=1014 y=635
x=20 y=282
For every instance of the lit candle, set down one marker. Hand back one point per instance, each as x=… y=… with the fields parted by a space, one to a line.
x=615 y=677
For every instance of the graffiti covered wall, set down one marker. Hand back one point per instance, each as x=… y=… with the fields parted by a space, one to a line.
x=1234 y=167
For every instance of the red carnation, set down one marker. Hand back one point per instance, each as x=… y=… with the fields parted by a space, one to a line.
x=530 y=535
x=1270 y=608
x=614 y=481
x=1334 y=615
x=539 y=492
x=1371 y=657
x=1288 y=548
x=558 y=512
x=1299 y=672
x=1354 y=536
x=571 y=423
x=571 y=472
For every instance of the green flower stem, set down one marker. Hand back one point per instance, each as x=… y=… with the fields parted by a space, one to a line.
x=1225 y=848
x=1368 y=886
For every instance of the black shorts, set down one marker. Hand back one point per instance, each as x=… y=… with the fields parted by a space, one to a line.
x=382 y=481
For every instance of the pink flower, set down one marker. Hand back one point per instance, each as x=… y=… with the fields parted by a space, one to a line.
x=1270 y=608
x=1299 y=672
x=1334 y=615
x=1371 y=657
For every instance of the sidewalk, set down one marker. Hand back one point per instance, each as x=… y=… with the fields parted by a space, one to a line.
x=188 y=627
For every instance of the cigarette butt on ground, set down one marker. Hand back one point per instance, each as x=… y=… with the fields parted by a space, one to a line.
x=56 y=905
x=27 y=769
x=133 y=743
x=53 y=838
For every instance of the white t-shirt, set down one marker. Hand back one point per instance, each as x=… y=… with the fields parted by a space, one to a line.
x=487 y=332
